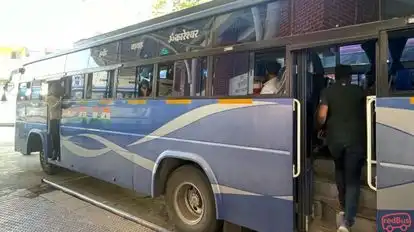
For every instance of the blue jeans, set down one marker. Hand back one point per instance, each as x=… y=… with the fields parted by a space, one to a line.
x=349 y=161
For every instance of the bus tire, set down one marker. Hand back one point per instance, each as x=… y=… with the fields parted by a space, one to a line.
x=47 y=167
x=190 y=201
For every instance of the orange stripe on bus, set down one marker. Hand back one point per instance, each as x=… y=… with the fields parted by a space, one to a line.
x=178 y=101
x=235 y=101
x=105 y=102
x=412 y=100
x=137 y=102
x=106 y=110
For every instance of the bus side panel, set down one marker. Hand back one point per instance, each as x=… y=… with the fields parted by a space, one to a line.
x=20 y=136
x=89 y=144
x=30 y=115
x=249 y=149
x=395 y=146
x=247 y=145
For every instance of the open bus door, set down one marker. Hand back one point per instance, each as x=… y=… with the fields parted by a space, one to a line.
x=304 y=184
x=394 y=135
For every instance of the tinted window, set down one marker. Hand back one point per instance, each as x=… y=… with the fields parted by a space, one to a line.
x=397 y=8
x=401 y=74
x=165 y=79
x=23 y=91
x=231 y=74
x=183 y=78
x=36 y=90
x=256 y=23
x=269 y=71
x=99 y=85
x=145 y=76
x=78 y=84
x=77 y=61
x=184 y=38
x=139 y=47
x=169 y=41
x=126 y=85
x=104 y=55
x=135 y=82
x=353 y=55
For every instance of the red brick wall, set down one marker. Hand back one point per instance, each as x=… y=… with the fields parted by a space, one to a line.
x=307 y=16
x=286 y=13
x=316 y=15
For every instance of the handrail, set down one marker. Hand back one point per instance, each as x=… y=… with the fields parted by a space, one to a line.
x=296 y=168
x=370 y=162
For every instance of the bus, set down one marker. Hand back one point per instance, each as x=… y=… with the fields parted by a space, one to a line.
x=170 y=106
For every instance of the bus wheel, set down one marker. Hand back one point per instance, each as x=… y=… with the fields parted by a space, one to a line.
x=47 y=167
x=190 y=201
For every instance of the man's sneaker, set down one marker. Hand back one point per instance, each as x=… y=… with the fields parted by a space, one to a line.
x=344 y=229
x=340 y=219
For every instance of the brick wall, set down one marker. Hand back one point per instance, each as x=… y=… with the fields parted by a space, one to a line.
x=286 y=13
x=316 y=15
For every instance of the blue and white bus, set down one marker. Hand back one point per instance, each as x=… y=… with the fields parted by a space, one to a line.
x=170 y=107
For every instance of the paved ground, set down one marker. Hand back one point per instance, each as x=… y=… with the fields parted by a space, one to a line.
x=28 y=205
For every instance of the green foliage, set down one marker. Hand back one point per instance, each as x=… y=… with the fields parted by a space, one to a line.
x=159 y=6
x=183 y=4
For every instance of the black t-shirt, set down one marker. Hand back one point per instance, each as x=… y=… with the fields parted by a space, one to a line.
x=346 y=120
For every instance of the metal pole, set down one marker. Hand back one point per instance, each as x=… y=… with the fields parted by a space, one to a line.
x=106 y=207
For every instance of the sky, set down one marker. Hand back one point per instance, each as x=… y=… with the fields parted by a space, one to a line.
x=56 y=24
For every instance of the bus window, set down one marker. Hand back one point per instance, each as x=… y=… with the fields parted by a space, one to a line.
x=24 y=91
x=99 y=85
x=67 y=87
x=359 y=56
x=231 y=74
x=78 y=83
x=165 y=79
x=135 y=82
x=36 y=90
x=401 y=70
x=183 y=78
x=269 y=71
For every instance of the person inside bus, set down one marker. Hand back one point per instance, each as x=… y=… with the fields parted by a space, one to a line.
x=144 y=88
x=342 y=111
x=53 y=99
x=273 y=85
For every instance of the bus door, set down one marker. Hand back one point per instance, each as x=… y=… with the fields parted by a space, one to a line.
x=394 y=111
x=53 y=126
x=302 y=80
x=313 y=71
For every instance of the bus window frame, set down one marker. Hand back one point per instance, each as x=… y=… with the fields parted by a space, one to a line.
x=383 y=89
x=341 y=35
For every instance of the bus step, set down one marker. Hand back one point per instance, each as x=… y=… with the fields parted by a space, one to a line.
x=326 y=188
x=365 y=220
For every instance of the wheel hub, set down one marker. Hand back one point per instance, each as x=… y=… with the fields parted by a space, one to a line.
x=189 y=203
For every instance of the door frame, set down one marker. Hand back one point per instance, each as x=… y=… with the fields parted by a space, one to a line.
x=297 y=60
x=298 y=87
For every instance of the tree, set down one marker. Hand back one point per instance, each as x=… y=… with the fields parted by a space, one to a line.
x=161 y=7
x=158 y=7
x=183 y=4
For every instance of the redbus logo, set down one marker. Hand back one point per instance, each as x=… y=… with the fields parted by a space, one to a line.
x=393 y=221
